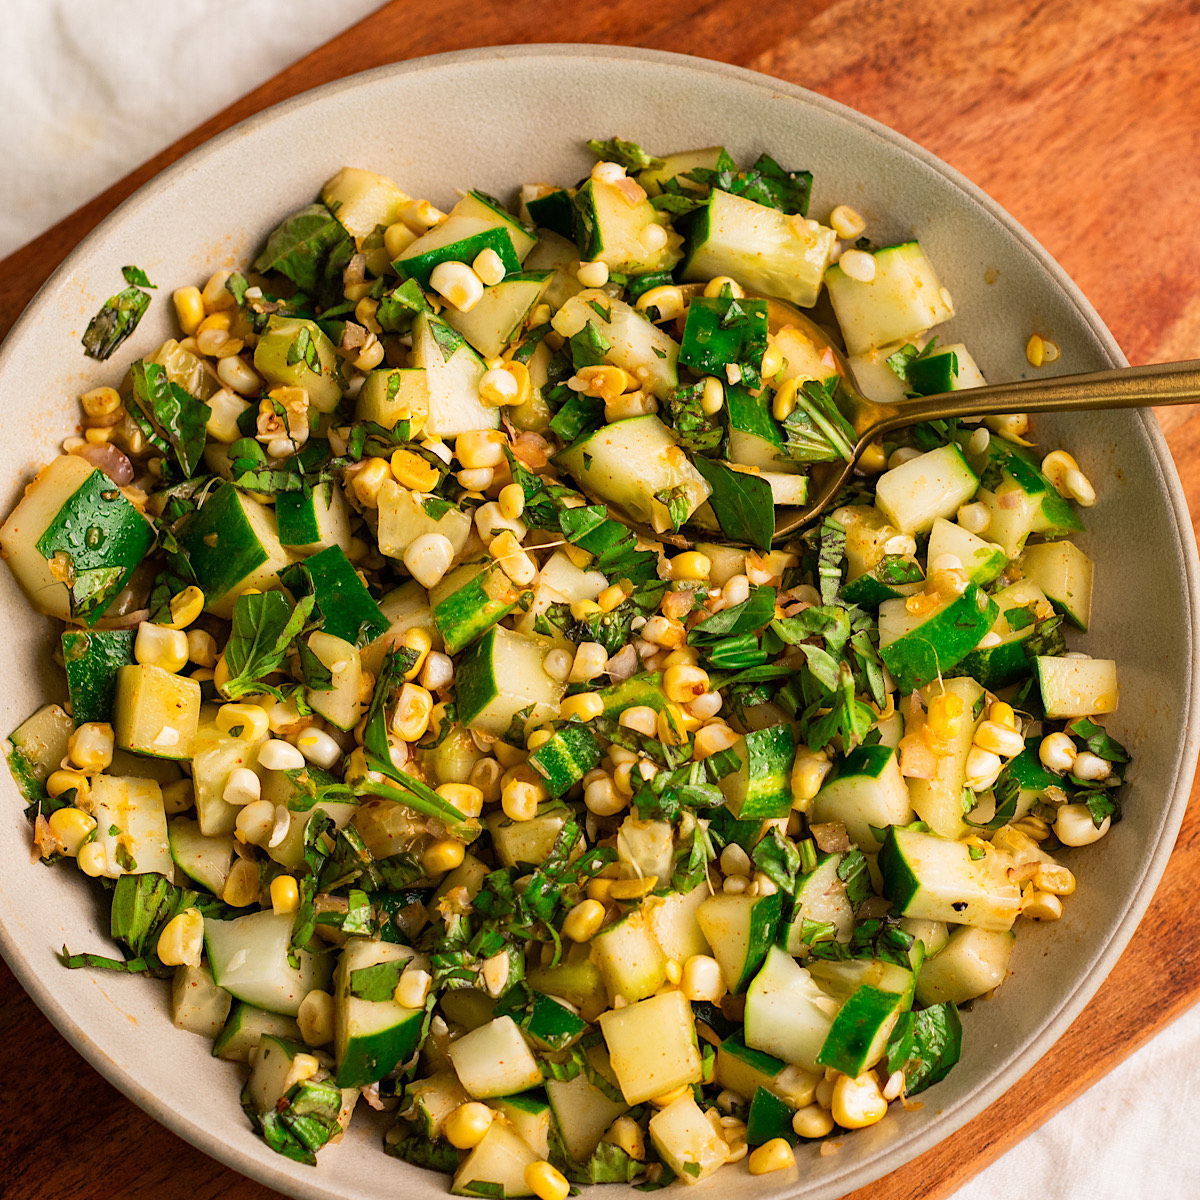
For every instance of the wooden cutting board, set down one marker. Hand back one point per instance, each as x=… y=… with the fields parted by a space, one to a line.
x=1082 y=121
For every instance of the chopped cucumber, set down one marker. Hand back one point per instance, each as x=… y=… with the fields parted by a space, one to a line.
x=868 y=791
x=313 y=520
x=1064 y=573
x=246 y=1026
x=1006 y=661
x=529 y=1115
x=918 y=647
x=566 y=758
x=197 y=1004
x=1077 y=687
x=155 y=712
x=675 y=925
x=582 y=1112
x=469 y=601
x=611 y=229
x=981 y=560
x=787 y=1013
x=935 y=484
x=673 y=166
x=744 y=1070
x=755 y=439
x=859 y=1035
x=686 y=1140
x=630 y=959
x=293 y=352
x=721 y=332
x=769 y=1117
x=92 y=659
x=740 y=929
x=340 y=703
x=497 y=1164
x=405 y=516
x=362 y=200
x=207 y=860
x=390 y=395
x=497 y=318
x=526 y=843
x=479 y=206
x=502 y=676
x=452 y=374
x=459 y=238
x=494 y=1060
x=652 y=1046
x=820 y=900
x=131 y=826
x=972 y=962
x=761 y=785
x=945 y=369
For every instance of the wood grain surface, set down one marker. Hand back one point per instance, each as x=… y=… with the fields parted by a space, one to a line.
x=1082 y=120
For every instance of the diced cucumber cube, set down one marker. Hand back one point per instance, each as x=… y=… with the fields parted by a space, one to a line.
x=933 y=877
x=551 y=210
x=206 y=860
x=945 y=369
x=433 y=1100
x=155 y=712
x=582 y=1112
x=560 y=255
x=904 y=299
x=578 y=983
x=674 y=923
x=785 y=489
x=348 y=610
x=246 y=1027
x=888 y=579
x=499 y=315
x=215 y=755
x=340 y=702
x=526 y=843
x=1077 y=687
x=73 y=524
x=820 y=899
x=766 y=251
x=630 y=959
x=274 y=1073
x=635 y=343
x=293 y=352
x=931 y=934
x=860 y=1031
x=469 y=601
x=761 y=785
x=935 y=484
x=390 y=395
x=973 y=961
x=552 y=1025
x=529 y=1115
x=713 y=341
x=502 y=675
x=479 y=206
x=312 y=521
x=249 y=958
x=769 y=1117
x=131 y=826
x=842 y=979
x=637 y=690
x=868 y=791
x=232 y=543
x=452 y=374
x=740 y=930
x=405 y=607
x=744 y=1070
x=37 y=747
x=371 y=1037
x=686 y=1140
x=459 y=238
x=787 y=1013
x=755 y=438
x=499 y=1161
x=362 y=200
x=612 y=230
x=494 y=1060
x=566 y=758
x=1064 y=573
x=917 y=648
x=1004 y=662
x=981 y=560
x=92 y=659
x=652 y=1046
x=675 y=165
x=197 y=1004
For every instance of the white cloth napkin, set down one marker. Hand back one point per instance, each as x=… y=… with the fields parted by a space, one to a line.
x=91 y=90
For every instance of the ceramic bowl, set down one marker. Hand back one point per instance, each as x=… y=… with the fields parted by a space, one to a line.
x=492 y=119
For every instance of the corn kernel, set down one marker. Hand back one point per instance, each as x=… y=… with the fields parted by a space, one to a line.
x=412 y=471
x=683 y=684
x=443 y=856
x=583 y=922
x=603 y=797
x=156 y=645
x=514 y=562
x=519 y=800
x=546 y=1182
x=626 y=1134
x=945 y=714
x=582 y=609
x=369 y=479
x=414 y=707
x=90 y=747
x=715 y=286
x=712 y=739
x=467 y=798
x=58 y=783
x=1050 y=877
x=468 y=1124
x=666 y=1099
x=420 y=641
x=701 y=979
x=1041 y=906
x=480 y=448
x=671 y=726
x=72 y=827
x=186 y=607
x=611 y=598
x=1002 y=714
x=457 y=284
x=397 y=238
x=641 y=718
x=181 y=942
x=691 y=565
x=667 y=300
x=590 y=660
x=665 y=632
x=998 y=739
x=285 y=894
x=592 y=274
x=189 y=309
x=251 y=720
x=512 y=501
x=857 y=1101
x=412 y=989
x=101 y=402
x=812 y=1121
x=775 y=1155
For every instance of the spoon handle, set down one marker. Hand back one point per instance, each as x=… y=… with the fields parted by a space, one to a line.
x=1128 y=387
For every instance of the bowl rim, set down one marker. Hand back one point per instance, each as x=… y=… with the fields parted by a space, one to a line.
x=1072 y=1004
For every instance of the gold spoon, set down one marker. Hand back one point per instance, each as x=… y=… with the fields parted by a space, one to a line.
x=1125 y=387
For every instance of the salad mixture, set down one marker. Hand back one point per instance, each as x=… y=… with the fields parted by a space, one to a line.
x=434 y=775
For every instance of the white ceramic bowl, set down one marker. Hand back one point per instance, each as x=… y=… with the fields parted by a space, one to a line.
x=491 y=119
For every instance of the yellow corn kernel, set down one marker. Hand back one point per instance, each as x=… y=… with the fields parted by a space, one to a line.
x=315 y=1018
x=583 y=922
x=419 y=640
x=665 y=632
x=546 y=1182
x=603 y=381
x=873 y=459
x=467 y=798
x=285 y=895
x=90 y=747
x=691 y=565
x=414 y=708
x=514 y=562
x=72 y=827
x=666 y=1099
x=186 y=607
x=600 y=889
x=412 y=990
x=612 y=597
x=512 y=501
x=714 y=287
x=857 y=1101
x=444 y=855
x=412 y=471
x=812 y=1121
x=683 y=684
x=101 y=402
x=945 y=714
x=538 y=737
x=712 y=739
x=641 y=718
x=1041 y=906
x=775 y=1155
x=1002 y=714
x=785 y=400
x=626 y=1134
x=189 y=309
x=701 y=979
x=519 y=800
x=671 y=726
x=156 y=645
x=772 y=361
x=583 y=609
x=250 y=719
x=364 y=314
x=60 y=782
x=633 y=889
x=480 y=448
x=468 y=1124
x=397 y=238
x=1050 y=877
x=181 y=942
x=369 y=478
x=1035 y=350
x=217 y=322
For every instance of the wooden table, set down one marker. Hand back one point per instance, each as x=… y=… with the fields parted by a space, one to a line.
x=1082 y=120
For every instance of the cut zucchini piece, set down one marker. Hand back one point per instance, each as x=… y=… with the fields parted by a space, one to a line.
x=498 y=1162
x=37 y=747
x=868 y=791
x=582 y=1112
x=740 y=929
x=557 y=254
x=842 y=979
x=452 y=374
x=311 y=521
x=645 y=848
x=601 y=465
x=457 y=239
x=566 y=758
x=675 y=165
x=932 y=877
x=405 y=516
x=652 y=1046
x=612 y=230
x=197 y=1004
x=821 y=899
x=859 y=1036
x=390 y=395
x=630 y=960
x=893 y=576
x=340 y=702
x=232 y=543
x=249 y=958
x=479 y=206
x=552 y=1025
x=917 y=648
x=686 y=1140
x=362 y=200
x=904 y=299
x=765 y=250
x=1005 y=662
x=155 y=712
x=293 y=352
x=1077 y=687
x=637 y=690
x=246 y=1027
x=981 y=560
x=946 y=369
x=755 y=439
x=502 y=675
x=92 y=659
x=787 y=1013
x=131 y=826
x=469 y=601
x=635 y=343
x=371 y=1037
x=206 y=860
x=768 y=1118
x=674 y=923
x=529 y=1115
x=526 y=843
x=973 y=961
x=1064 y=573
x=935 y=484
x=761 y=786
x=405 y=607
x=74 y=540
x=548 y=208
x=500 y=314
x=745 y=1070
x=433 y=1100
x=494 y=1060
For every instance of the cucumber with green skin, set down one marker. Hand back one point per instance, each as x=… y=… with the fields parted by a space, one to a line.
x=947 y=369
x=918 y=491
x=566 y=758
x=246 y=1026
x=981 y=560
x=972 y=963
x=1064 y=573
x=498 y=316
x=457 y=239
x=755 y=438
x=553 y=211
x=392 y=394
x=712 y=341
x=859 y=1035
x=611 y=230
x=917 y=649
x=92 y=659
x=1007 y=661
x=761 y=784
x=888 y=579
x=820 y=898
x=469 y=601
x=769 y=1118
x=479 y=206
x=1076 y=687
x=293 y=352
x=787 y=1013
x=636 y=691
x=348 y=610
x=501 y=675
x=314 y=519
x=744 y=1070
x=740 y=929
x=553 y=1025
x=868 y=791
